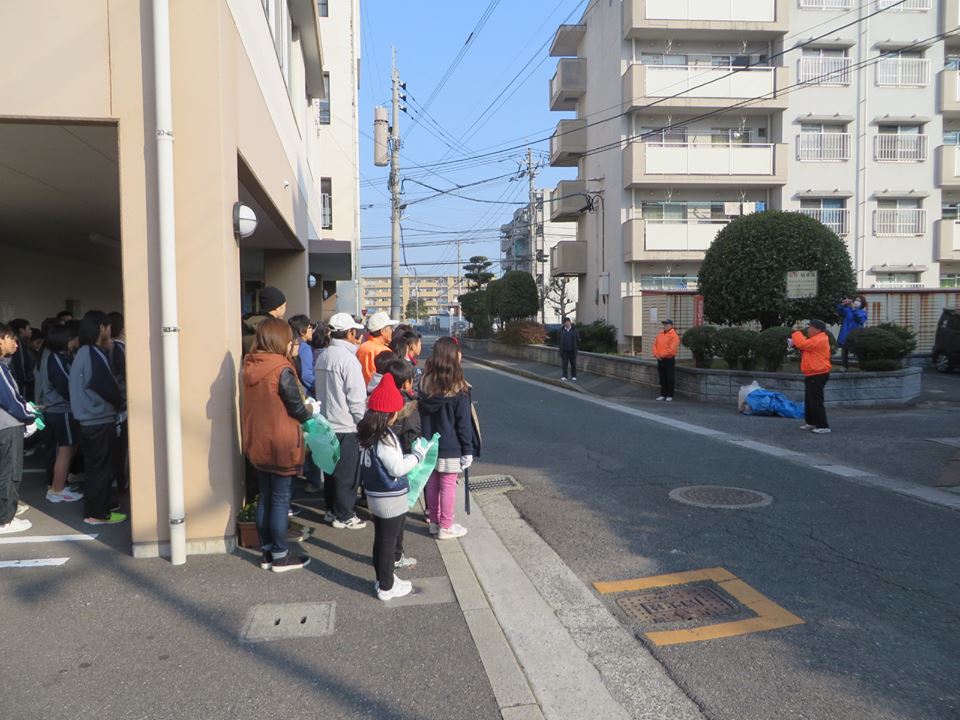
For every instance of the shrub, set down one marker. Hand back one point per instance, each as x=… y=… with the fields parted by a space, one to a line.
x=877 y=345
x=524 y=332
x=702 y=342
x=475 y=309
x=907 y=337
x=518 y=296
x=880 y=365
x=735 y=346
x=598 y=337
x=770 y=347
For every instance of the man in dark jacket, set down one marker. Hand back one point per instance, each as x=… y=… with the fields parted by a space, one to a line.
x=569 y=345
x=23 y=364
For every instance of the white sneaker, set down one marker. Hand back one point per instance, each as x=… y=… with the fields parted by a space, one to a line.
x=399 y=589
x=66 y=495
x=452 y=532
x=563 y=379
x=15 y=525
x=661 y=397
x=574 y=378
x=405 y=561
x=822 y=431
x=22 y=507
x=669 y=399
x=353 y=523
x=805 y=426
x=433 y=528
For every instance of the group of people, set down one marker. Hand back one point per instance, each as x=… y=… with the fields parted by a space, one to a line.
x=63 y=388
x=369 y=385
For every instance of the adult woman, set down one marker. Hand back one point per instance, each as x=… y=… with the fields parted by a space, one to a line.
x=274 y=408
x=53 y=393
x=853 y=316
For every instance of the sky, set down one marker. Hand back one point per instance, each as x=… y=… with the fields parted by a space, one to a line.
x=507 y=56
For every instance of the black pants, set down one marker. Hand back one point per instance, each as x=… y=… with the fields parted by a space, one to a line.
x=814 y=411
x=340 y=489
x=845 y=357
x=667 y=369
x=99 y=444
x=387 y=547
x=568 y=360
x=11 y=471
x=121 y=468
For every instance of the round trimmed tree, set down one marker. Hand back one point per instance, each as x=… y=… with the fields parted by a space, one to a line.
x=743 y=277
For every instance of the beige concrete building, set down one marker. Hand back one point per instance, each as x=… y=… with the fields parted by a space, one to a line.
x=438 y=293
x=79 y=208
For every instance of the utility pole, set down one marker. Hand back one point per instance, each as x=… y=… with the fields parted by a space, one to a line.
x=395 y=293
x=532 y=232
x=459 y=281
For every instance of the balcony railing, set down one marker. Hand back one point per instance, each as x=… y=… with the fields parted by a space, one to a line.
x=903 y=72
x=899 y=148
x=824 y=70
x=907 y=6
x=326 y=211
x=823 y=147
x=898 y=285
x=891 y=222
x=699 y=81
x=826 y=4
x=715 y=10
x=709 y=159
x=837 y=219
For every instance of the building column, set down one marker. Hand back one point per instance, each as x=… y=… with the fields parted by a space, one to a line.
x=288 y=270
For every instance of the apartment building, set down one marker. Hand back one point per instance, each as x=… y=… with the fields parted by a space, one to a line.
x=81 y=211
x=689 y=113
x=437 y=292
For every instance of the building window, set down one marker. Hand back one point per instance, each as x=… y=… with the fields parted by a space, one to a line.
x=820 y=142
x=900 y=143
x=323 y=106
x=323 y=8
x=903 y=69
x=899 y=218
x=950 y=280
x=898 y=280
x=729 y=136
x=326 y=203
x=824 y=66
x=832 y=212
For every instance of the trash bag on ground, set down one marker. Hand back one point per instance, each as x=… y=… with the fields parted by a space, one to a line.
x=767 y=402
x=742 y=395
x=322 y=443
x=417 y=478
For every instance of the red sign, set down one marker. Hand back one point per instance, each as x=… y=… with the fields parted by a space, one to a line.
x=697 y=310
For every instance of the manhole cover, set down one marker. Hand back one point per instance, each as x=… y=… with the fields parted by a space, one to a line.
x=719 y=496
x=288 y=622
x=493 y=483
x=673 y=604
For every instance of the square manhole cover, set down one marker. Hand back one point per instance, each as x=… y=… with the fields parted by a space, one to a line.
x=494 y=483
x=674 y=604
x=288 y=622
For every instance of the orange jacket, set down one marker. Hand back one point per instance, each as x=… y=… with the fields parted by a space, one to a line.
x=814 y=352
x=367 y=353
x=666 y=345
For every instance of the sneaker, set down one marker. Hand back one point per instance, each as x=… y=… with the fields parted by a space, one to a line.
x=353 y=523
x=405 y=561
x=293 y=512
x=669 y=399
x=661 y=397
x=821 y=431
x=805 y=426
x=452 y=532
x=297 y=534
x=329 y=518
x=15 y=525
x=289 y=562
x=65 y=495
x=266 y=561
x=399 y=589
x=114 y=518
x=574 y=378
x=563 y=379
x=433 y=528
x=22 y=507
x=312 y=489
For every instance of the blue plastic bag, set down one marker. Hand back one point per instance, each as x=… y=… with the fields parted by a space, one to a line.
x=767 y=402
x=323 y=443
x=417 y=478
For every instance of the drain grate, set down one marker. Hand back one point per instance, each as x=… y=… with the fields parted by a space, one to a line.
x=674 y=604
x=720 y=496
x=494 y=483
x=288 y=622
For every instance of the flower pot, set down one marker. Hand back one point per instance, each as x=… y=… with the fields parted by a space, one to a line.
x=247 y=535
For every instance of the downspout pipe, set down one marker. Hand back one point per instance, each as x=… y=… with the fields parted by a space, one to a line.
x=170 y=329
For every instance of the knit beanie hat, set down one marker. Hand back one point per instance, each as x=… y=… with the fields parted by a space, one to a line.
x=271 y=298
x=385 y=397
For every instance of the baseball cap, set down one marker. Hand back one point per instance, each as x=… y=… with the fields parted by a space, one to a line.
x=341 y=322
x=380 y=320
x=818 y=324
x=668 y=321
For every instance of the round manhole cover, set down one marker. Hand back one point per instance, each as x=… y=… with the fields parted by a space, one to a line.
x=720 y=496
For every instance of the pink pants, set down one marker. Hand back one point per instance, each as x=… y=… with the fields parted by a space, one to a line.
x=442 y=498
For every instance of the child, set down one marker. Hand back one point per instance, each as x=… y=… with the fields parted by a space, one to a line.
x=16 y=421
x=303 y=333
x=445 y=409
x=379 y=363
x=406 y=428
x=53 y=393
x=414 y=346
x=383 y=470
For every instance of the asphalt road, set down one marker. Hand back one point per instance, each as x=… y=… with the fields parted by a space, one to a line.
x=874 y=576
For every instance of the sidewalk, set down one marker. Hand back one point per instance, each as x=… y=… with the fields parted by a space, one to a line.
x=901 y=442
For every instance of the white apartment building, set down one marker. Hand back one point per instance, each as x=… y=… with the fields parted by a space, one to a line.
x=436 y=293
x=689 y=113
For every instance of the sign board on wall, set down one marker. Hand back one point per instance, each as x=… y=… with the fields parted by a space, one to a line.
x=697 y=310
x=801 y=284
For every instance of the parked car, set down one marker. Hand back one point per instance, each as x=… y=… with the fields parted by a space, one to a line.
x=946 y=345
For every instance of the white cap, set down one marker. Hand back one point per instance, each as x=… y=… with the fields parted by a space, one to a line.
x=380 y=320
x=341 y=322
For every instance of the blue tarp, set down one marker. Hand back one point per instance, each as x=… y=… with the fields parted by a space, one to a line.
x=767 y=402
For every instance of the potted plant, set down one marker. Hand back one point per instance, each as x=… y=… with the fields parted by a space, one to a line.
x=247 y=534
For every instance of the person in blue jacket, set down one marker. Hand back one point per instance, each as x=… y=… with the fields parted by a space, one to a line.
x=17 y=420
x=853 y=316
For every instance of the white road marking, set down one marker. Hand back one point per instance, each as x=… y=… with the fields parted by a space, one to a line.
x=39 y=562
x=33 y=470
x=24 y=539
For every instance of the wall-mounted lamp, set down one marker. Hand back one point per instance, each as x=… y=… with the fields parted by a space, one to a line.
x=311 y=281
x=244 y=220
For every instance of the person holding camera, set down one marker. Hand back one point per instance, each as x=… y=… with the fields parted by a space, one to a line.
x=853 y=316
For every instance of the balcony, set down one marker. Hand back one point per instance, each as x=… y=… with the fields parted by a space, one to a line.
x=827 y=71
x=823 y=147
x=891 y=222
x=645 y=239
x=568 y=84
x=903 y=72
x=950 y=92
x=899 y=148
x=568 y=200
x=897 y=285
x=568 y=143
x=826 y=4
x=948 y=160
x=567 y=40
x=948 y=245
x=568 y=259
x=703 y=86
x=704 y=164
x=705 y=18
x=905 y=6
x=837 y=219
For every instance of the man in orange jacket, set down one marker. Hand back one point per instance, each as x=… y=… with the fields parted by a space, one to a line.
x=380 y=328
x=815 y=365
x=665 y=351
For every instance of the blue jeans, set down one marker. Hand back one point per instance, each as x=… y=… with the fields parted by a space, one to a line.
x=272 y=508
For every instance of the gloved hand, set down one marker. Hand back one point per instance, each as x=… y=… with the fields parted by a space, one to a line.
x=789 y=342
x=313 y=406
x=420 y=448
x=29 y=430
x=466 y=461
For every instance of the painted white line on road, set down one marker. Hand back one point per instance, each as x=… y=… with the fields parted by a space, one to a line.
x=45 y=539
x=33 y=470
x=39 y=562
x=934 y=496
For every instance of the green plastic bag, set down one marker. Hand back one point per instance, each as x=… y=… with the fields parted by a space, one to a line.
x=322 y=442
x=417 y=478
x=41 y=425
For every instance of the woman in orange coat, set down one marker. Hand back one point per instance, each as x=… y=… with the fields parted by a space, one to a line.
x=815 y=365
